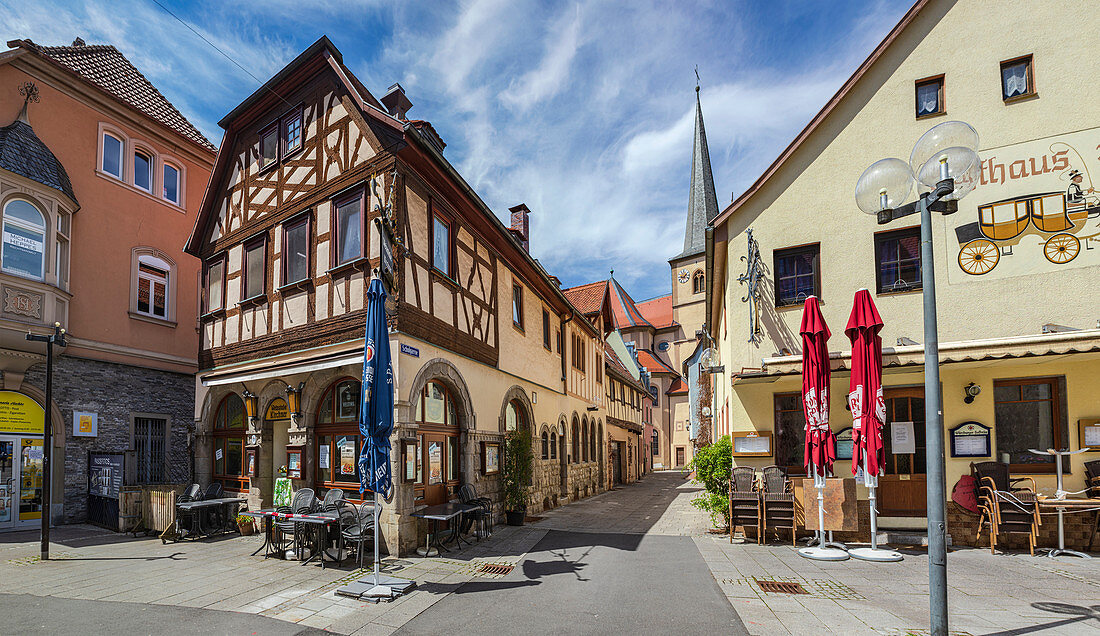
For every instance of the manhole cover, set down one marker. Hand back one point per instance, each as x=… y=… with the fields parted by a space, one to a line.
x=495 y=568
x=781 y=587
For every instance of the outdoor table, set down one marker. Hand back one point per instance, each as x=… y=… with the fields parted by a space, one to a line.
x=1060 y=503
x=319 y=520
x=1061 y=506
x=205 y=505
x=444 y=512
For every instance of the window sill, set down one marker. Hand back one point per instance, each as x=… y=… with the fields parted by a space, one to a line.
x=258 y=299
x=518 y=328
x=445 y=279
x=268 y=168
x=215 y=313
x=1019 y=98
x=297 y=286
x=931 y=115
x=142 y=191
x=153 y=319
x=796 y=304
x=899 y=292
x=360 y=264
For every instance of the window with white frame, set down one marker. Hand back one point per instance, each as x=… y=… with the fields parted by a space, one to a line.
x=112 y=155
x=171 y=185
x=24 y=240
x=143 y=170
x=152 y=286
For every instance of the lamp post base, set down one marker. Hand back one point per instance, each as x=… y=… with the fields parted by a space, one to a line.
x=875 y=554
x=823 y=554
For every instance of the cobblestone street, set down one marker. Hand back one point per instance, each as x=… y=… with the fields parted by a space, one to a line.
x=647 y=527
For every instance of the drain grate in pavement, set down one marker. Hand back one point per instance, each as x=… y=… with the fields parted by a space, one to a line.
x=815 y=588
x=495 y=568
x=781 y=587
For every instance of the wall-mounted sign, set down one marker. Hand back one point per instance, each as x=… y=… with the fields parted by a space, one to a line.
x=903 y=439
x=85 y=424
x=844 y=444
x=971 y=439
x=410 y=350
x=20 y=414
x=1089 y=430
x=277 y=411
x=752 y=444
x=105 y=472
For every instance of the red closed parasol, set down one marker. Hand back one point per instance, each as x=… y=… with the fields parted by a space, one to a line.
x=820 y=441
x=865 y=386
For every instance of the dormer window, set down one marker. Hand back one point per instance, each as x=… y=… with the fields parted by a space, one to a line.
x=143 y=170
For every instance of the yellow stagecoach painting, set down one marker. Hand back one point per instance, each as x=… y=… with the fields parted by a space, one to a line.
x=1002 y=224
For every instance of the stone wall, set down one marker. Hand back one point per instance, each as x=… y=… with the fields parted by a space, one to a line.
x=115 y=392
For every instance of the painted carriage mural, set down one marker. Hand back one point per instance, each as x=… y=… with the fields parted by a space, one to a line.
x=1023 y=225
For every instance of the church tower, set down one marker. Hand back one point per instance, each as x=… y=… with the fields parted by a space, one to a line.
x=689 y=275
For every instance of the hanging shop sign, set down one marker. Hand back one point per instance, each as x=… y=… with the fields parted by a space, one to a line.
x=277 y=411
x=85 y=424
x=971 y=439
x=20 y=414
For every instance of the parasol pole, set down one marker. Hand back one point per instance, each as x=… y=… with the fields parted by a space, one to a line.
x=873 y=553
x=821 y=552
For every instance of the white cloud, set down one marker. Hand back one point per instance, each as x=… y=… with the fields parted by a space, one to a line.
x=552 y=73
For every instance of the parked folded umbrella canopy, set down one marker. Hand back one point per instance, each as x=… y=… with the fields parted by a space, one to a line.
x=820 y=441
x=865 y=386
x=376 y=407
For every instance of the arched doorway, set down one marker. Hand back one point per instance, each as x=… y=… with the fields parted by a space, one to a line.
x=336 y=438
x=21 y=462
x=437 y=444
x=228 y=436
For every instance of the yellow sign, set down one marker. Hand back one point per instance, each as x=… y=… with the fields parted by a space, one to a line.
x=20 y=414
x=85 y=423
x=277 y=411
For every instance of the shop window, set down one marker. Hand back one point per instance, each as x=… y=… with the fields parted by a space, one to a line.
x=437 y=421
x=545 y=445
x=255 y=268
x=150 y=442
x=171 y=187
x=517 y=307
x=1017 y=78
x=215 y=283
x=1029 y=413
x=790 y=431
x=153 y=285
x=229 y=428
x=24 y=241
x=897 y=258
x=698 y=283
x=112 y=155
x=929 y=93
x=796 y=274
x=349 y=229
x=295 y=252
x=143 y=170
x=338 y=441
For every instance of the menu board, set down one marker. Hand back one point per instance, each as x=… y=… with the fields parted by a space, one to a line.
x=971 y=439
x=844 y=444
x=752 y=443
x=105 y=473
x=347 y=457
x=435 y=463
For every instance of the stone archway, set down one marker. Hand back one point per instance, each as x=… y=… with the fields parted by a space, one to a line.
x=441 y=370
x=518 y=395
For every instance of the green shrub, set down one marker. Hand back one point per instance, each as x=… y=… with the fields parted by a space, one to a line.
x=516 y=469
x=712 y=465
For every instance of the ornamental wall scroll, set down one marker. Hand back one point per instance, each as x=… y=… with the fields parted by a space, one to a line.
x=23 y=303
x=753 y=277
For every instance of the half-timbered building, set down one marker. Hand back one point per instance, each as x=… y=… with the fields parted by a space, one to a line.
x=482 y=338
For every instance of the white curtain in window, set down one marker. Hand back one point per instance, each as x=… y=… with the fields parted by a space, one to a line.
x=928 y=97
x=1015 y=78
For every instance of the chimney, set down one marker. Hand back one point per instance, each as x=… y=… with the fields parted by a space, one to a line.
x=521 y=225
x=78 y=42
x=396 y=102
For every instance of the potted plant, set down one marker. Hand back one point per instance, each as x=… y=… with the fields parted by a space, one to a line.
x=246 y=524
x=516 y=474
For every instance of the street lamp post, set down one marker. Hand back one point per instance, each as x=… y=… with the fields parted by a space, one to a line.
x=56 y=338
x=945 y=160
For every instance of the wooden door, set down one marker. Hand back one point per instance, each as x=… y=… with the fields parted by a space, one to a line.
x=902 y=489
x=434 y=448
x=680 y=460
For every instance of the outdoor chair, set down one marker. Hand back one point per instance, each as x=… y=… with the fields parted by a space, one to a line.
x=1006 y=508
x=778 y=502
x=331 y=497
x=357 y=528
x=744 y=506
x=1092 y=489
x=283 y=535
x=185 y=520
x=213 y=491
x=482 y=516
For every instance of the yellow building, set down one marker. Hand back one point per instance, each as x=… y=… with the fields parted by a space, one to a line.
x=1016 y=266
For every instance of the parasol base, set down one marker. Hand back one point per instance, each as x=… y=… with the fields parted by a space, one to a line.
x=1061 y=551
x=823 y=554
x=875 y=554
x=399 y=585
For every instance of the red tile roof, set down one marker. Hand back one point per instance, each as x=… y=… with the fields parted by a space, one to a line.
x=588 y=299
x=658 y=311
x=104 y=66
x=623 y=311
x=654 y=364
x=679 y=387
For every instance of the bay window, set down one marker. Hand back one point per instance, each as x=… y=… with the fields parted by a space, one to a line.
x=24 y=240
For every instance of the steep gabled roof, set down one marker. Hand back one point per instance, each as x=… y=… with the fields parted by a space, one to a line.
x=824 y=113
x=653 y=364
x=587 y=298
x=623 y=310
x=23 y=153
x=679 y=387
x=104 y=66
x=702 y=202
x=658 y=311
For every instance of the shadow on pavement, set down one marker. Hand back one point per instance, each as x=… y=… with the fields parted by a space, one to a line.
x=1078 y=612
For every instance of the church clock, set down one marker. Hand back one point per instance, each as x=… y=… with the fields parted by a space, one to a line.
x=683 y=276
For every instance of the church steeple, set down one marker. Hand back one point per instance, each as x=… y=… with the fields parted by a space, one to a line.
x=702 y=202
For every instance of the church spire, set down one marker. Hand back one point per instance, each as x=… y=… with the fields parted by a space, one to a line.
x=702 y=202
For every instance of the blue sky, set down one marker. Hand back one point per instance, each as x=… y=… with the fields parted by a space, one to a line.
x=582 y=110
